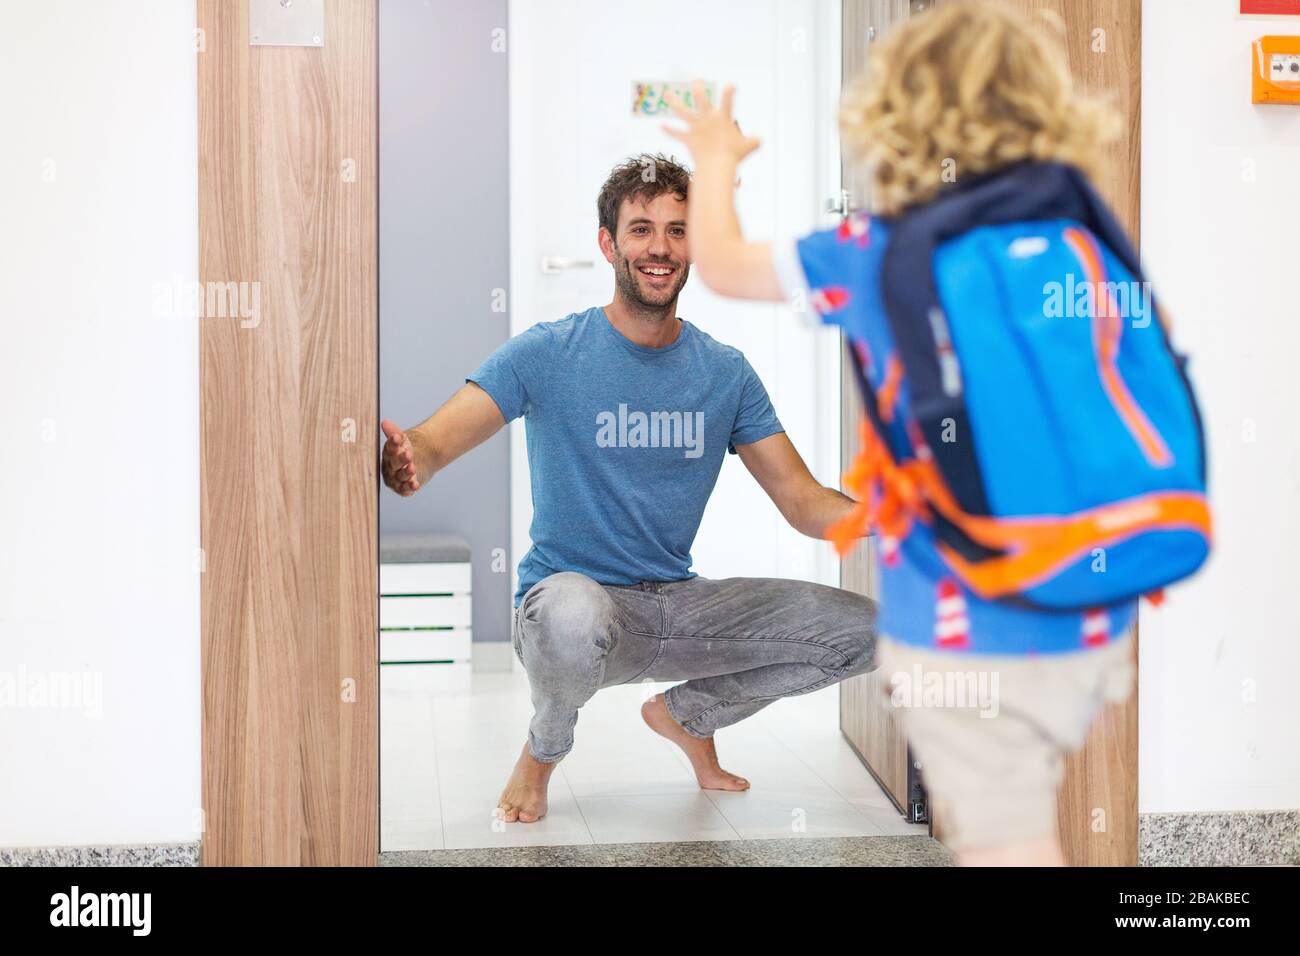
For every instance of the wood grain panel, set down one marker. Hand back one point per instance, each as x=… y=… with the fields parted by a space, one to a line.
x=287 y=194
x=1098 y=802
x=1097 y=805
x=870 y=727
x=1114 y=72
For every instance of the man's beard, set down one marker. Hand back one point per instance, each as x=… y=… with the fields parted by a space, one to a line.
x=629 y=286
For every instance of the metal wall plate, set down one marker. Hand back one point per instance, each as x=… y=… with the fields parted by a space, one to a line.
x=286 y=22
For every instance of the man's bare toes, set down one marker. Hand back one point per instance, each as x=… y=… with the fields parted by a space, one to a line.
x=721 y=780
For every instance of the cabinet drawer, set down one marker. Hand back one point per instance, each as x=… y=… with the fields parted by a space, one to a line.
x=424 y=612
x=424 y=578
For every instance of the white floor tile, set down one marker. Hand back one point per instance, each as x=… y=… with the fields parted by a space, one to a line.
x=407 y=798
x=474 y=824
x=478 y=777
x=438 y=679
x=768 y=765
x=672 y=818
x=450 y=738
x=774 y=814
x=471 y=737
x=409 y=807
x=833 y=760
x=411 y=835
x=891 y=822
x=644 y=763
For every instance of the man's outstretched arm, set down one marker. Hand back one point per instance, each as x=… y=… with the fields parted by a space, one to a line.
x=810 y=508
x=410 y=458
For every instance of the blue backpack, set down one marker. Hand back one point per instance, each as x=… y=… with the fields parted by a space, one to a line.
x=1056 y=448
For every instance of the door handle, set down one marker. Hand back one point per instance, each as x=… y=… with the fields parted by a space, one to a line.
x=842 y=205
x=555 y=264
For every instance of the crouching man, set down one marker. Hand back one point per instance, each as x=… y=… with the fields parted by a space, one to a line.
x=629 y=411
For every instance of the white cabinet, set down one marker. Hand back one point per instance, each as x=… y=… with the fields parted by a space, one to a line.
x=425 y=607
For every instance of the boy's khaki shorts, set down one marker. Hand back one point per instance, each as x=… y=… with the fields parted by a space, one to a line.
x=991 y=732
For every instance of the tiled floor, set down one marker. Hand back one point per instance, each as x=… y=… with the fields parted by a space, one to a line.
x=449 y=738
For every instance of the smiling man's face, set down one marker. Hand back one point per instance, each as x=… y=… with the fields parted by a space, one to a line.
x=650 y=256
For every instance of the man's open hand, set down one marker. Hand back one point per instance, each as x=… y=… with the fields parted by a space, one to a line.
x=398 y=461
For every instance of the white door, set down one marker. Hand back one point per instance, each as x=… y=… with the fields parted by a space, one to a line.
x=573 y=69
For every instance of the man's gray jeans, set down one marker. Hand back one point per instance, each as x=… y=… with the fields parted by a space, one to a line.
x=738 y=643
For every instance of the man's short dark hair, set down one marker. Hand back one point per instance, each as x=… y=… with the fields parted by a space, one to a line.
x=643 y=177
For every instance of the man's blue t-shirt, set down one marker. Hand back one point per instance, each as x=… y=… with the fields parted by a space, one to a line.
x=625 y=442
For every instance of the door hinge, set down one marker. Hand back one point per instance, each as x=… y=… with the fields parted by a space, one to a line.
x=286 y=22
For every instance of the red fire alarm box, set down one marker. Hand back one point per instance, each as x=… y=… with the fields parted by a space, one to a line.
x=1275 y=70
x=1270 y=8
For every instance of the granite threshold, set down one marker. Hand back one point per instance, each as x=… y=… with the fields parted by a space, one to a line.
x=1213 y=838
x=151 y=854
x=917 y=850
x=1220 y=838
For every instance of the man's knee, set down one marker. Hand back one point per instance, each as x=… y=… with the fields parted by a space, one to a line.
x=851 y=618
x=566 y=616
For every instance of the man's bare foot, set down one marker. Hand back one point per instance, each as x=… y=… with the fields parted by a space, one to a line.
x=524 y=798
x=700 y=752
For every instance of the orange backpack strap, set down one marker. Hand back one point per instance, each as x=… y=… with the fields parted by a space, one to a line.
x=1037 y=548
x=891 y=496
x=888 y=496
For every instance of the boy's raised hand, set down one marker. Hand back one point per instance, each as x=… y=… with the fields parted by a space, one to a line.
x=398 y=461
x=710 y=132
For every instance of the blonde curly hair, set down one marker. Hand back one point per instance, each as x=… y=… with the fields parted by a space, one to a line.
x=965 y=89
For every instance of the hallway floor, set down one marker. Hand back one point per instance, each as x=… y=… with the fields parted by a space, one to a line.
x=449 y=738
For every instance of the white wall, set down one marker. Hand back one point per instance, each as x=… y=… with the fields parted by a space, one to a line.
x=99 y=521
x=432 y=332
x=1220 y=713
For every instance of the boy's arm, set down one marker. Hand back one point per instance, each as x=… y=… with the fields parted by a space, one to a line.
x=410 y=458
x=724 y=260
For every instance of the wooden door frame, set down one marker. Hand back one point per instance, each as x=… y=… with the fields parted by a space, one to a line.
x=288 y=206
x=1097 y=805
